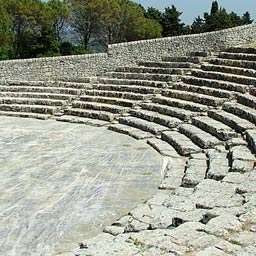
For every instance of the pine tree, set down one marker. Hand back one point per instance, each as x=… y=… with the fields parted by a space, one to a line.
x=171 y=22
x=246 y=18
x=198 y=26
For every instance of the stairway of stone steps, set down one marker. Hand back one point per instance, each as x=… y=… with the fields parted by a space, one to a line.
x=38 y=99
x=118 y=94
x=205 y=115
x=196 y=108
x=191 y=107
x=197 y=111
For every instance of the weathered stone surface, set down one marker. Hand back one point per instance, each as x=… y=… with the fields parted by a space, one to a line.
x=143 y=125
x=106 y=244
x=131 y=131
x=251 y=138
x=241 y=111
x=223 y=225
x=242 y=159
x=180 y=142
x=244 y=238
x=247 y=251
x=198 y=136
x=61 y=183
x=211 y=251
x=195 y=171
x=163 y=148
x=236 y=178
x=173 y=173
x=208 y=100
x=237 y=123
x=216 y=128
x=210 y=194
x=218 y=164
x=246 y=186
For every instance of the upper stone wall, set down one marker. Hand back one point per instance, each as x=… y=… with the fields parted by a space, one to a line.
x=77 y=66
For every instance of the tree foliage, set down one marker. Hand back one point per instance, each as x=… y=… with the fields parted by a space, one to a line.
x=171 y=22
x=35 y=28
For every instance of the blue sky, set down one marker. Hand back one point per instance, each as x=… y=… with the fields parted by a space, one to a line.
x=193 y=8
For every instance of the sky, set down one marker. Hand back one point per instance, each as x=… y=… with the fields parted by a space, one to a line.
x=193 y=8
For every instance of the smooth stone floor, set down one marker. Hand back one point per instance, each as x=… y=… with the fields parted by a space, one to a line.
x=60 y=183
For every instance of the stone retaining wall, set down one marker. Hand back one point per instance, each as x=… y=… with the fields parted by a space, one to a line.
x=78 y=66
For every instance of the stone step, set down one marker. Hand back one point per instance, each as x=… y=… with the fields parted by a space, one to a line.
x=90 y=113
x=170 y=111
x=230 y=70
x=58 y=84
x=82 y=120
x=203 y=90
x=131 y=131
x=217 y=84
x=195 y=171
x=242 y=160
x=251 y=139
x=43 y=109
x=198 y=54
x=25 y=115
x=141 y=76
x=253 y=91
x=163 y=64
x=214 y=127
x=37 y=89
x=100 y=107
x=237 y=56
x=247 y=100
x=224 y=77
x=241 y=50
x=183 y=145
x=33 y=101
x=153 y=70
x=37 y=95
x=147 y=83
x=234 y=63
x=198 y=136
x=109 y=100
x=235 y=122
x=77 y=79
x=180 y=103
x=143 y=125
x=194 y=97
x=164 y=148
x=128 y=88
x=191 y=59
x=173 y=173
x=218 y=164
x=155 y=117
x=241 y=111
x=117 y=94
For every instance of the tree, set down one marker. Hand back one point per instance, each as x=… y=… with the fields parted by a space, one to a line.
x=85 y=18
x=246 y=18
x=59 y=12
x=171 y=22
x=151 y=29
x=28 y=17
x=198 y=25
x=235 y=19
x=154 y=14
x=217 y=19
x=6 y=35
x=214 y=8
x=111 y=21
